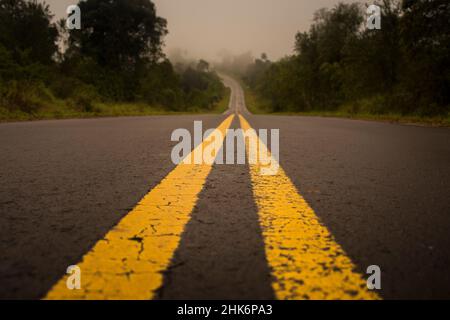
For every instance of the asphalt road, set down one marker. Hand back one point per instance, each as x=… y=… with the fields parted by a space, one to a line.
x=382 y=190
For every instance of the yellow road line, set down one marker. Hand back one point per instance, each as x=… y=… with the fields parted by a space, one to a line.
x=128 y=263
x=305 y=260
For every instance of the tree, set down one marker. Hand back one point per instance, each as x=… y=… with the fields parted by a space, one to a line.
x=425 y=32
x=27 y=32
x=257 y=70
x=402 y=68
x=119 y=34
x=321 y=53
x=372 y=60
x=203 y=66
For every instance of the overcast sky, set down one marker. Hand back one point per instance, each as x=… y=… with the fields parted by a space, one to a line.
x=204 y=27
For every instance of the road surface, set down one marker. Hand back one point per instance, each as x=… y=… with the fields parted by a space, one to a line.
x=104 y=194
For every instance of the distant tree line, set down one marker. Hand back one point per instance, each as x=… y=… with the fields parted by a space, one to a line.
x=403 y=68
x=115 y=56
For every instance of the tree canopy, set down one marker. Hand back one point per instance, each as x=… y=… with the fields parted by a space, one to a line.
x=116 y=56
x=119 y=33
x=26 y=30
x=339 y=63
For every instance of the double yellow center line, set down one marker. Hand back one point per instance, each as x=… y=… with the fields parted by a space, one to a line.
x=129 y=262
x=305 y=260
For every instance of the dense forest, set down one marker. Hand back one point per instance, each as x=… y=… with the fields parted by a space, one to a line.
x=115 y=58
x=340 y=65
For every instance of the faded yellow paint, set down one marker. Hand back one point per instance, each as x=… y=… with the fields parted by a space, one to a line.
x=128 y=263
x=305 y=260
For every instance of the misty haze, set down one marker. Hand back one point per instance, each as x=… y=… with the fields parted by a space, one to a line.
x=209 y=28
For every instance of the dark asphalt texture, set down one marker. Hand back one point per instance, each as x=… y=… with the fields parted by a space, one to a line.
x=383 y=190
x=221 y=255
x=66 y=183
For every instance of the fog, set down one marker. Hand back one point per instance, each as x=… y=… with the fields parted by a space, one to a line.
x=205 y=28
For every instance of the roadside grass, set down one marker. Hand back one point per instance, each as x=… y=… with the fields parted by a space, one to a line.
x=257 y=105
x=393 y=118
x=254 y=103
x=223 y=104
x=61 y=109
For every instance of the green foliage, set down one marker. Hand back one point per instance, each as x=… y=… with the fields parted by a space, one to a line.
x=27 y=45
x=26 y=96
x=256 y=70
x=404 y=68
x=83 y=98
x=115 y=59
x=119 y=33
x=222 y=105
x=26 y=30
x=202 y=89
x=161 y=86
x=425 y=31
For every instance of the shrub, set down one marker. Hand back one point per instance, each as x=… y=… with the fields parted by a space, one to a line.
x=83 y=99
x=25 y=96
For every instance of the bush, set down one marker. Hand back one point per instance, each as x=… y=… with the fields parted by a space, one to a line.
x=202 y=89
x=64 y=87
x=83 y=99
x=25 y=96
